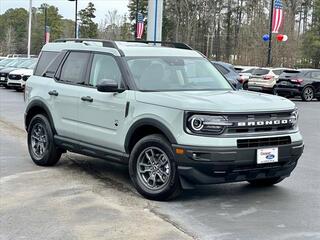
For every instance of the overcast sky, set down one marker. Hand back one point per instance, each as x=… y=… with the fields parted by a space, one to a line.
x=66 y=8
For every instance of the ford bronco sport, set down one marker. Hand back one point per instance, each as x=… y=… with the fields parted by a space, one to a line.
x=162 y=109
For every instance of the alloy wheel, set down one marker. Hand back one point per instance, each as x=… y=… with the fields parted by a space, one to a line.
x=39 y=140
x=308 y=93
x=153 y=168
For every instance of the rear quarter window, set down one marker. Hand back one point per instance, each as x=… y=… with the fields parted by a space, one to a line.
x=44 y=60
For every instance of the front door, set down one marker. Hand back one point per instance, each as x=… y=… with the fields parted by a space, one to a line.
x=101 y=114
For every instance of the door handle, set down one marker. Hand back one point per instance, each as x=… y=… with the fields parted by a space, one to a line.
x=87 y=99
x=53 y=93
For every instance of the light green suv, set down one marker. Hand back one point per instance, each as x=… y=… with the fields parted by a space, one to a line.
x=166 y=112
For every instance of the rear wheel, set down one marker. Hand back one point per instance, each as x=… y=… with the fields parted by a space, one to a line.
x=153 y=169
x=307 y=94
x=266 y=182
x=245 y=86
x=41 y=143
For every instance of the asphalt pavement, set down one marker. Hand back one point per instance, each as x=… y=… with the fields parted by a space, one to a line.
x=88 y=198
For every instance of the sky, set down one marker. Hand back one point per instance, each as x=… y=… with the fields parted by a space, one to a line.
x=66 y=8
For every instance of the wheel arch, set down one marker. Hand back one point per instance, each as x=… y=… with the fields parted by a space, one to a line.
x=144 y=127
x=37 y=107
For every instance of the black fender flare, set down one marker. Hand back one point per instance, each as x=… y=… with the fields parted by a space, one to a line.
x=148 y=122
x=39 y=104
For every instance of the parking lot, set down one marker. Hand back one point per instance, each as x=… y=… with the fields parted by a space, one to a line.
x=86 y=198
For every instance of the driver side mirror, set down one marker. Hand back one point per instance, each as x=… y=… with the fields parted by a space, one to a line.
x=109 y=85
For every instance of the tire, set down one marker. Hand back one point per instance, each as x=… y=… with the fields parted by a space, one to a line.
x=266 y=182
x=245 y=86
x=41 y=143
x=145 y=175
x=307 y=94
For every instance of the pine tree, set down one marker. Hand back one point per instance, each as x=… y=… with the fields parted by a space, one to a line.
x=88 y=28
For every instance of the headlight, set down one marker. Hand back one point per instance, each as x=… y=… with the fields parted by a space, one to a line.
x=294 y=117
x=206 y=124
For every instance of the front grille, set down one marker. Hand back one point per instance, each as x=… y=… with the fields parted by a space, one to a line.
x=263 y=142
x=14 y=77
x=25 y=78
x=245 y=118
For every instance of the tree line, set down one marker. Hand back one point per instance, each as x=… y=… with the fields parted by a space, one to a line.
x=225 y=30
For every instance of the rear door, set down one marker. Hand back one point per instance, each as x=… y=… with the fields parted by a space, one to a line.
x=64 y=92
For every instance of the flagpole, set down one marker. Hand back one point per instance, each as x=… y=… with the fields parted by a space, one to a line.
x=29 y=29
x=137 y=12
x=270 y=36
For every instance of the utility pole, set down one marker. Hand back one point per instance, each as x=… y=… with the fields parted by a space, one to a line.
x=75 y=18
x=270 y=36
x=29 y=28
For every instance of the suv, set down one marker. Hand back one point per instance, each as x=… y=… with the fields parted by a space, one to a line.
x=264 y=79
x=167 y=113
x=300 y=82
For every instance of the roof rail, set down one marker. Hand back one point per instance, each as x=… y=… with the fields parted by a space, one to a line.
x=174 y=44
x=105 y=43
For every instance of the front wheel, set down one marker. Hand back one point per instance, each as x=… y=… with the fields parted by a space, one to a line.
x=245 y=86
x=266 y=182
x=153 y=169
x=307 y=94
x=41 y=143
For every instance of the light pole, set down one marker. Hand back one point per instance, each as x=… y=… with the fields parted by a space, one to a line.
x=44 y=8
x=75 y=18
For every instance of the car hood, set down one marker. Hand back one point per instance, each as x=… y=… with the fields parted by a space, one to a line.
x=23 y=71
x=7 y=70
x=217 y=101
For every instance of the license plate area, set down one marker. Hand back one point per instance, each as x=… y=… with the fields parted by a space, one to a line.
x=267 y=155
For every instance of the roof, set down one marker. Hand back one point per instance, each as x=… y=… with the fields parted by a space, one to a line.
x=119 y=48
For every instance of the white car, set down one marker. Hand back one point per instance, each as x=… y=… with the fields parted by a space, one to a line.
x=17 y=78
x=264 y=79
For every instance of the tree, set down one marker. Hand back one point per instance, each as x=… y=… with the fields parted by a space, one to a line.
x=88 y=28
x=311 y=43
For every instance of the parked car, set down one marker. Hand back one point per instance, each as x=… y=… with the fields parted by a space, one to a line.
x=167 y=113
x=229 y=72
x=301 y=82
x=245 y=75
x=17 y=78
x=264 y=79
x=4 y=72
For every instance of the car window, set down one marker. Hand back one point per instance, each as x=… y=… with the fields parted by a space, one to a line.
x=278 y=72
x=260 y=71
x=53 y=67
x=44 y=61
x=104 y=67
x=222 y=69
x=74 y=68
x=248 y=70
x=315 y=75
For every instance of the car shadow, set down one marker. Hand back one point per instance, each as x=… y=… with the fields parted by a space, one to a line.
x=117 y=176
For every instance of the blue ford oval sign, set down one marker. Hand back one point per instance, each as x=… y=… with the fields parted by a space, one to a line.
x=270 y=156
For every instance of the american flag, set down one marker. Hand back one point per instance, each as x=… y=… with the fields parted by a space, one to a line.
x=277 y=16
x=140 y=26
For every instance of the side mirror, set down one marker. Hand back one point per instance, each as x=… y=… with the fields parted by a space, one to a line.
x=109 y=85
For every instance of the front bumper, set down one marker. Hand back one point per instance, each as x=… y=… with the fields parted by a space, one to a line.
x=292 y=91
x=203 y=165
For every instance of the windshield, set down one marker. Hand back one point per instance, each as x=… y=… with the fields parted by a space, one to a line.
x=176 y=74
x=27 y=63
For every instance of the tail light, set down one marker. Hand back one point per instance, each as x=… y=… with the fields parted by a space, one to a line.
x=240 y=79
x=297 y=80
x=268 y=77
